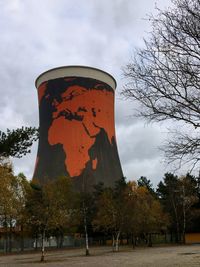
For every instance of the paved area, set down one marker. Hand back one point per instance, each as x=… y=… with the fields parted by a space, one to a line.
x=179 y=256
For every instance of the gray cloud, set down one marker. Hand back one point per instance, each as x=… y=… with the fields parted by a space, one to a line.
x=36 y=37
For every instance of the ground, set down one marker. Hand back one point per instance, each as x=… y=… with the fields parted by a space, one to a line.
x=170 y=256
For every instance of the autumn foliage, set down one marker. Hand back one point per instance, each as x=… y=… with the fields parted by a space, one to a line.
x=132 y=210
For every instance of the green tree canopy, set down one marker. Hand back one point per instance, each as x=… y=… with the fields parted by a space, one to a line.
x=16 y=143
x=178 y=195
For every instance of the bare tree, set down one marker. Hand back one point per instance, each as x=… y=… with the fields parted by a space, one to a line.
x=164 y=77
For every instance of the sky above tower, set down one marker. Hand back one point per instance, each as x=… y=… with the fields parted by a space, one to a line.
x=40 y=35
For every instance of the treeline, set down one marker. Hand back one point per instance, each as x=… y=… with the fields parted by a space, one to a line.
x=131 y=210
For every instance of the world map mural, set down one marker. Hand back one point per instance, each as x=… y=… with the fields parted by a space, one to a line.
x=77 y=133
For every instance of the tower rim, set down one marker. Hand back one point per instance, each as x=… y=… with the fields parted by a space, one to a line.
x=76 y=71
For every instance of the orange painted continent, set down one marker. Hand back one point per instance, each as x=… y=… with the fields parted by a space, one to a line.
x=78 y=119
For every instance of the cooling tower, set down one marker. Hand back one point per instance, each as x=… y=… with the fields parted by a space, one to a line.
x=77 y=131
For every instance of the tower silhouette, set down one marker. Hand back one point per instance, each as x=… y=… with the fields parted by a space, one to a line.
x=77 y=131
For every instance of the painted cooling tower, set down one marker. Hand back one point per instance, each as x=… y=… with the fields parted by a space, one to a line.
x=77 y=132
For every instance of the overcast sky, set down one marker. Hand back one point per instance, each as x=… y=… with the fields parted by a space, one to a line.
x=39 y=35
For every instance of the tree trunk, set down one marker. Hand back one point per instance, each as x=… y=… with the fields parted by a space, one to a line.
x=61 y=240
x=6 y=241
x=36 y=241
x=133 y=241
x=184 y=215
x=43 y=247
x=87 y=253
x=149 y=240
x=117 y=242
x=6 y=233
x=10 y=236
x=57 y=240
x=22 y=238
x=113 y=242
x=184 y=225
x=177 y=222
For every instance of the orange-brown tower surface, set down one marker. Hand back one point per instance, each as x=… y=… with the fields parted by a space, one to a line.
x=77 y=131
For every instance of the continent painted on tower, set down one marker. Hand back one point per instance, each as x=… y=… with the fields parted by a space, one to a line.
x=79 y=116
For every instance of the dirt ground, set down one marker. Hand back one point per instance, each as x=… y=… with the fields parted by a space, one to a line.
x=183 y=256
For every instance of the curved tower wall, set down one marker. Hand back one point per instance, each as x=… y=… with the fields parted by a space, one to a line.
x=77 y=131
